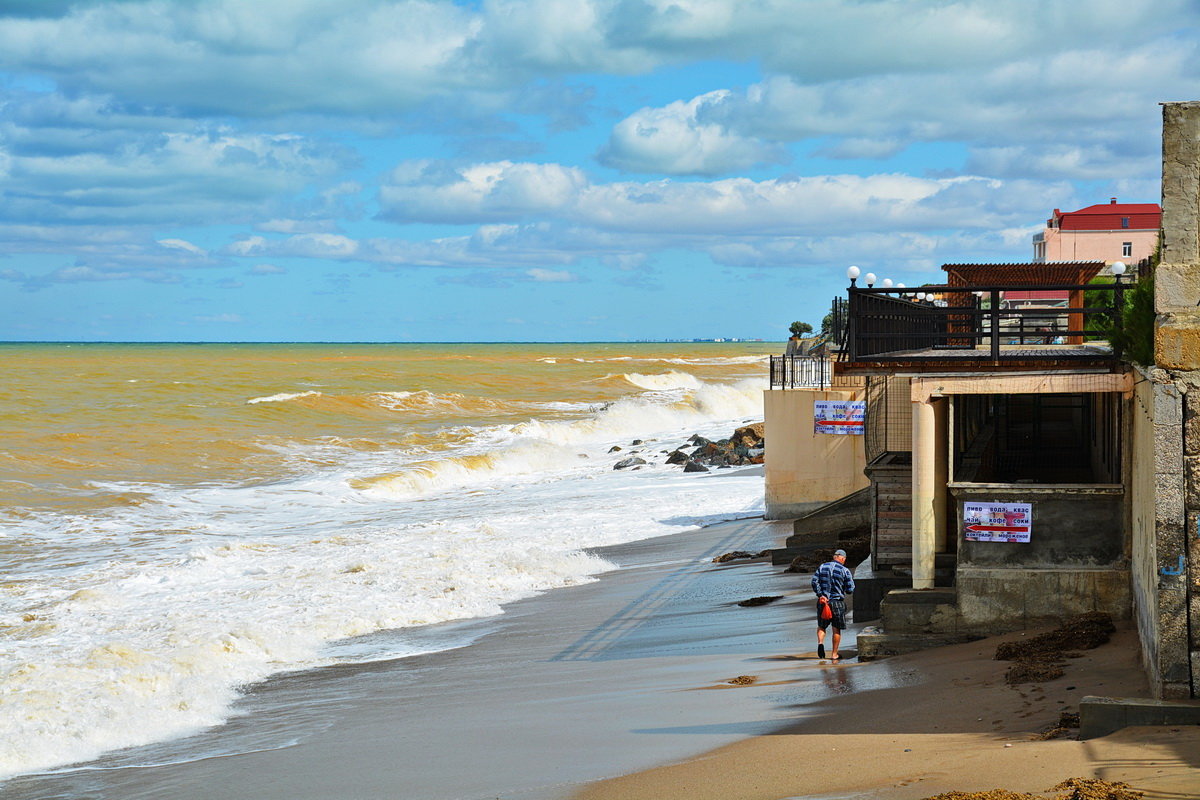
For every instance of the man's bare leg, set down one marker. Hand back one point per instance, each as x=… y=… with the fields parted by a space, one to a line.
x=837 y=640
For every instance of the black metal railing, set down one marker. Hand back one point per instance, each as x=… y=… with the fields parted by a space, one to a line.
x=800 y=372
x=888 y=324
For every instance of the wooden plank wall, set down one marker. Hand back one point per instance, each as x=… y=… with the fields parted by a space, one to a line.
x=891 y=525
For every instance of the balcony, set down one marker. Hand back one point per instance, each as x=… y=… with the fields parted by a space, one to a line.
x=974 y=328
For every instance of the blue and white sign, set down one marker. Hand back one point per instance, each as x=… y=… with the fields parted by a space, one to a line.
x=840 y=417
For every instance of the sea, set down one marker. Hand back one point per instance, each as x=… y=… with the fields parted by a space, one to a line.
x=182 y=521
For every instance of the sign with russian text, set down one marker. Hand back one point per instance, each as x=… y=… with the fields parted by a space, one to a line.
x=997 y=522
x=844 y=417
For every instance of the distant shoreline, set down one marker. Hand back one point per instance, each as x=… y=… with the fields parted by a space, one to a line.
x=733 y=340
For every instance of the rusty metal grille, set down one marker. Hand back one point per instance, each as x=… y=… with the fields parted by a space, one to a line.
x=889 y=416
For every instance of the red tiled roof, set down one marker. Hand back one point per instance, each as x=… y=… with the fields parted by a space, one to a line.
x=1111 y=216
x=1118 y=208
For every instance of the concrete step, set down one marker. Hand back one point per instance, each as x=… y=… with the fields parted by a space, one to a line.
x=874 y=643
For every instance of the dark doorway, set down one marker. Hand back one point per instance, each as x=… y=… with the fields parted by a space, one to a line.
x=1036 y=438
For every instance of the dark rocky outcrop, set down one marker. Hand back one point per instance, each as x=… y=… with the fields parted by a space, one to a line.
x=746 y=446
x=677 y=457
x=632 y=461
x=694 y=466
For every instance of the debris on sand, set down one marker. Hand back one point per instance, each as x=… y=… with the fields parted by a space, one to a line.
x=725 y=557
x=761 y=600
x=1083 y=632
x=1067 y=721
x=1070 y=789
x=1041 y=658
x=1033 y=672
x=857 y=550
x=743 y=680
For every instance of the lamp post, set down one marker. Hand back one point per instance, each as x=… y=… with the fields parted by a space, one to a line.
x=869 y=279
x=886 y=283
x=852 y=273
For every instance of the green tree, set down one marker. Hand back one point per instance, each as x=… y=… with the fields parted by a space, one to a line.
x=800 y=328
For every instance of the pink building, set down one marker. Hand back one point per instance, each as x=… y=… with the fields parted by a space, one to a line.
x=1108 y=232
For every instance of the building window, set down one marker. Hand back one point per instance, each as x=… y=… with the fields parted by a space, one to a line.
x=1126 y=249
x=1124 y=222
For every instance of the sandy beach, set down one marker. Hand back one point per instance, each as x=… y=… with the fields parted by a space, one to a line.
x=626 y=688
x=952 y=724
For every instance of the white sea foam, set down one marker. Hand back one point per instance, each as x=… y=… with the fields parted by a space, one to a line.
x=663 y=382
x=281 y=398
x=152 y=638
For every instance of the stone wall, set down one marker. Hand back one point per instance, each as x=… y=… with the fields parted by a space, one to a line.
x=1171 y=593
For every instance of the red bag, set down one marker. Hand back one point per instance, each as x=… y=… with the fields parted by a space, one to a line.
x=825 y=611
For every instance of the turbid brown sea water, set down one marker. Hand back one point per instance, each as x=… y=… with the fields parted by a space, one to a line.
x=179 y=522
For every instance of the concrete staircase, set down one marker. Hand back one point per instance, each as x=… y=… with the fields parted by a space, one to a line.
x=914 y=619
x=825 y=526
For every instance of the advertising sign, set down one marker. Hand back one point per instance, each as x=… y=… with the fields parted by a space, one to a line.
x=839 y=416
x=997 y=522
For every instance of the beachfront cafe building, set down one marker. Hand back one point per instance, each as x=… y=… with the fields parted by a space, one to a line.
x=999 y=453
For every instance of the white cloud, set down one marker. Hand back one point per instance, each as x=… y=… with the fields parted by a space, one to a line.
x=551 y=275
x=907 y=221
x=181 y=244
x=131 y=176
x=674 y=140
x=305 y=245
x=297 y=226
x=483 y=193
x=1086 y=113
x=267 y=269
x=500 y=191
x=273 y=57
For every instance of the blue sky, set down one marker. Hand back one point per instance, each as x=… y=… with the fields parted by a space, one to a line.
x=549 y=170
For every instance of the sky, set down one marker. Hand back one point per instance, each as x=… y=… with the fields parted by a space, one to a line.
x=547 y=170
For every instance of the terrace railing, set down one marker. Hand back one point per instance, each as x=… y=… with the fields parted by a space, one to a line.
x=800 y=372
x=887 y=324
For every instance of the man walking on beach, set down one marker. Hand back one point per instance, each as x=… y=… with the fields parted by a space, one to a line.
x=831 y=583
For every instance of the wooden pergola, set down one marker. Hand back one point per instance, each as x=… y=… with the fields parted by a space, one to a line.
x=1031 y=274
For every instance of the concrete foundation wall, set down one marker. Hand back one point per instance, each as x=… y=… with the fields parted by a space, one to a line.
x=1072 y=527
x=805 y=470
x=997 y=600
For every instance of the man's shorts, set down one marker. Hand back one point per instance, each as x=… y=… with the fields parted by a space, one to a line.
x=838 y=607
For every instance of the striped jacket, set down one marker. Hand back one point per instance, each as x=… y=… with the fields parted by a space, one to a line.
x=832 y=580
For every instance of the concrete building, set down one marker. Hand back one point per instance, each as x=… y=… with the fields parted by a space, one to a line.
x=1011 y=483
x=1107 y=232
x=964 y=419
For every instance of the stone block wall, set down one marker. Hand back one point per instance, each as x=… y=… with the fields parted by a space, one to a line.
x=1169 y=609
